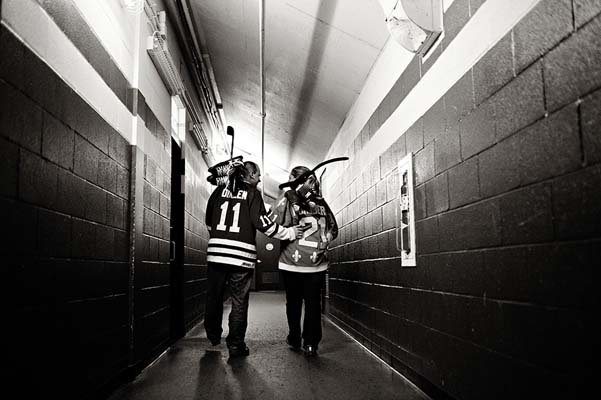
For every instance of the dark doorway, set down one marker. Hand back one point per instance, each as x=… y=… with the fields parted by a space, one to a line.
x=267 y=275
x=176 y=252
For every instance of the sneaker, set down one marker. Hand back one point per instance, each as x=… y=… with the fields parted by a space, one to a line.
x=310 y=350
x=294 y=344
x=241 y=351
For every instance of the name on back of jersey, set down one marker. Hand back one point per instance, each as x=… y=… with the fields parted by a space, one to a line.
x=314 y=209
x=241 y=194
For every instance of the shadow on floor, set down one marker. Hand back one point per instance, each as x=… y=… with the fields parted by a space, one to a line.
x=193 y=369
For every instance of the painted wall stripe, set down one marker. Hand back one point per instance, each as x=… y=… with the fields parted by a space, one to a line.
x=390 y=65
x=61 y=14
x=32 y=25
x=489 y=25
x=115 y=29
x=68 y=18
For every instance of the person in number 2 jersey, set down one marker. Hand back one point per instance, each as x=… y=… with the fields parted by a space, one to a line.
x=303 y=262
x=234 y=212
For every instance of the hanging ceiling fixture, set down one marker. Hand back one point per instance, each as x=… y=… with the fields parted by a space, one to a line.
x=414 y=24
x=133 y=6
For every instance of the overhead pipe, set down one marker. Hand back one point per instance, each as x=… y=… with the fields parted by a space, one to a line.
x=201 y=48
x=180 y=11
x=261 y=49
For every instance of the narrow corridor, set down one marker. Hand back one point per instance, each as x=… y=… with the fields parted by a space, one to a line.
x=193 y=369
x=455 y=143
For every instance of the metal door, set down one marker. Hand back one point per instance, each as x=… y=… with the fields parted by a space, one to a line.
x=177 y=243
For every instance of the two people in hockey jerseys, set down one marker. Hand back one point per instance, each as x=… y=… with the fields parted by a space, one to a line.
x=304 y=223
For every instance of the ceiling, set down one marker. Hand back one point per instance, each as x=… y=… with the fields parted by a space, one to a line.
x=317 y=56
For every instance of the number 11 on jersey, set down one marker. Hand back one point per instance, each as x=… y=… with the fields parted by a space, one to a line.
x=234 y=228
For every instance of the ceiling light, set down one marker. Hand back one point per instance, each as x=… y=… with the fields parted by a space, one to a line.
x=414 y=24
x=133 y=6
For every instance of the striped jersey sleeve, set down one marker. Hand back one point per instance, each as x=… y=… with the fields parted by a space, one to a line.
x=263 y=223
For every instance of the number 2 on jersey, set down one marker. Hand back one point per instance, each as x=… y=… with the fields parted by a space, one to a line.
x=234 y=228
x=315 y=225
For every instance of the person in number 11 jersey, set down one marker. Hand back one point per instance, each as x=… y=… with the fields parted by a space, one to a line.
x=234 y=212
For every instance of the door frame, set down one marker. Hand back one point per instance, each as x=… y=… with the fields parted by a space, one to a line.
x=176 y=243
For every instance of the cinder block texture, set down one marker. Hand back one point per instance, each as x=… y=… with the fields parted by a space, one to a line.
x=584 y=10
x=455 y=18
x=464 y=185
x=519 y=103
x=38 y=180
x=477 y=130
x=526 y=215
x=427 y=235
x=414 y=137
x=447 y=149
x=424 y=164
x=20 y=118
x=86 y=160
x=507 y=220
x=437 y=195
x=538 y=32
x=550 y=147
x=434 y=121
x=494 y=70
x=409 y=78
x=499 y=168
x=58 y=142
x=478 y=225
x=576 y=204
x=52 y=148
x=573 y=69
x=590 y=118
x=420 y=202
x=9 y=161
x=459 y=100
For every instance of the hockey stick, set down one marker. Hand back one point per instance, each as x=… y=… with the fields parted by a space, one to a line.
x=304 y=175
x=230 y=132
x=219 y=172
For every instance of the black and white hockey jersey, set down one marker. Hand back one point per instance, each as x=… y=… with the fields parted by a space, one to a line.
x=308 y=254
x=233 y=219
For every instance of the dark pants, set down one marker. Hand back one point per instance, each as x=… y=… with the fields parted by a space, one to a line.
x=303 y=287
x=237 y=280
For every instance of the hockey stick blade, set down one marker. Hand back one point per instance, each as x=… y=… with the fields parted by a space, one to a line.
x=304 y=175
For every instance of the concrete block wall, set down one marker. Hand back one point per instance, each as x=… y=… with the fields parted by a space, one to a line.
x=197 y=192
x=152 y=290
x=508 y=208
x=85 y=249
x=65 y=204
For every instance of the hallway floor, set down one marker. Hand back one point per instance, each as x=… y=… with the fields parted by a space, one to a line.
x=193 y=369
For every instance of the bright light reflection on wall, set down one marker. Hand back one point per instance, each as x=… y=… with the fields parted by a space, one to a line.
x=178 y=118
